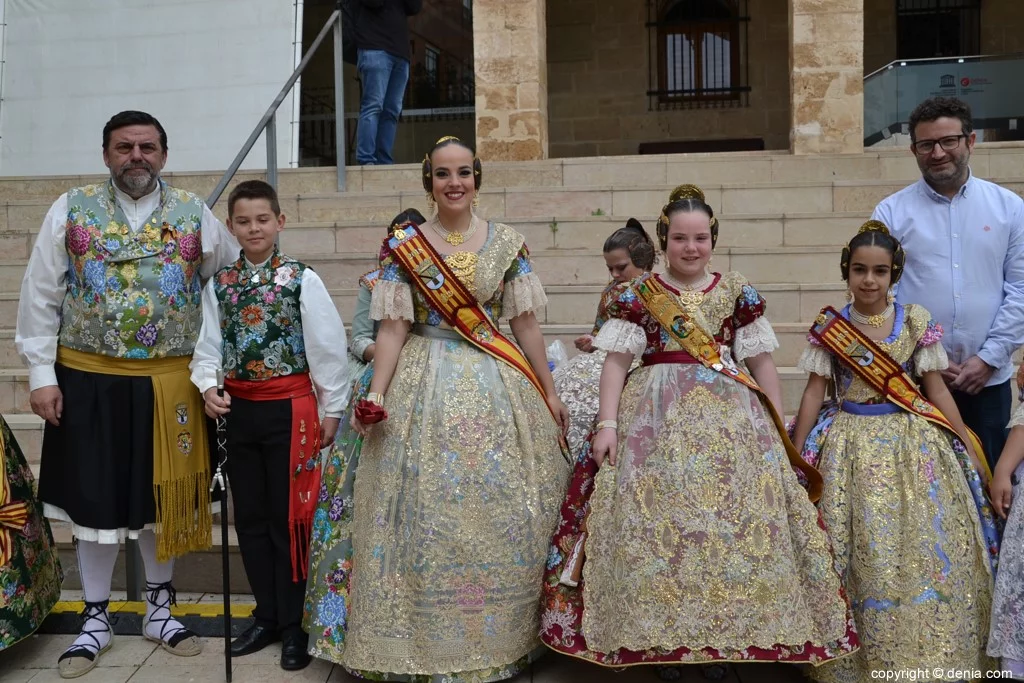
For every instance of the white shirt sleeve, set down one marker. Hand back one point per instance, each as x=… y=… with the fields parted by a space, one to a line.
x=42 y=292
x=324 y=337
x=220 y=247
x=208 y=357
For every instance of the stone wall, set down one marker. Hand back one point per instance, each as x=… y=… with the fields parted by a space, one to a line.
x=598 y=80
x=1002 y=30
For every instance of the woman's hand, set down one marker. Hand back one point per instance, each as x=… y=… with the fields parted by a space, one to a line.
x=605 y=446
x=1001 y=490
x=560 y=412
x=584 y=343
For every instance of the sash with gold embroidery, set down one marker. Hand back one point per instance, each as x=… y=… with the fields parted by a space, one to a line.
x=13 y=513
x=702 y=346
x=456 y=304
x=864 y=358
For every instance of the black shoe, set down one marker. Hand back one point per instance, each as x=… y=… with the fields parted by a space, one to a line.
x=253 y=639
x=293 y=653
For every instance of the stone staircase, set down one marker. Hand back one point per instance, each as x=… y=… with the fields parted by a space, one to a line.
x=783 y=221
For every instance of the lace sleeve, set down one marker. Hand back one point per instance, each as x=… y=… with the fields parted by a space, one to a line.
x=621 y=336
x=753 y=339
x=930 y=358
x=524 y=294
x=817 y=360
x=391 y=299
x=1018 y=417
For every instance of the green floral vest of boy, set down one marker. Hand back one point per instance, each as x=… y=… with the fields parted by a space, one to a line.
x=260 y=322
x=132 y=294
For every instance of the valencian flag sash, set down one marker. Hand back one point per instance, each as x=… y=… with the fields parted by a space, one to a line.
x=704 y=349
x=13 y=513
x=867 y=360
x=456 y=304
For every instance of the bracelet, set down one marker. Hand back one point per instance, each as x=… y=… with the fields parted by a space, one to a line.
x=374 y=397
x=607 y=424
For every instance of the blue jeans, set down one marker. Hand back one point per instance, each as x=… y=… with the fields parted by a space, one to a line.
x=987 y=414
x=384 y=78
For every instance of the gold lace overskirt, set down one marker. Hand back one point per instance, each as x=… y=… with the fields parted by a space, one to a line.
x=456 y=496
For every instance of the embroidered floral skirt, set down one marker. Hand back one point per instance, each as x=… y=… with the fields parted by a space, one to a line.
x=577 y=383
x=1007 y=635
x=31 y=576
x=325 y=612
x=702 y=545
x=914 y=541
x=455 y=499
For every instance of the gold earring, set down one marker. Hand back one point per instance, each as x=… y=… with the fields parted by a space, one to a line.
x=849 y=296
x=430 y=202
x=476 y=201
x=890 y=297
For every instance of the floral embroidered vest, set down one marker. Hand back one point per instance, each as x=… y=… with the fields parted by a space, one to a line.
x=260 y=322
x=132 y=294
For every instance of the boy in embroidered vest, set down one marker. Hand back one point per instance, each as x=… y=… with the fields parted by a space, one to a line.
x=107 y=319
x=270 y=324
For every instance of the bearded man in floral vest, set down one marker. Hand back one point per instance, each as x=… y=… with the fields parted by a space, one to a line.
x=109 y=313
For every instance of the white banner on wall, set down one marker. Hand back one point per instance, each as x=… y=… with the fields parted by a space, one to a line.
x=207 y=69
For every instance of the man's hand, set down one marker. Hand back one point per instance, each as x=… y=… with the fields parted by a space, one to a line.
x=950 y=374
x=48 y=403
x=328 y=428
x=974 y=374
x=216 y=406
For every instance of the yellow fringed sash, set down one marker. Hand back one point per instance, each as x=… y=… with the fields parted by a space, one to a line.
x=181 y=458
x=703 y=347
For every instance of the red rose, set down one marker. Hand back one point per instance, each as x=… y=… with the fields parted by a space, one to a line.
x=369 y=412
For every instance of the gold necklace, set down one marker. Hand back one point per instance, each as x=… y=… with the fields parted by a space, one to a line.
x=876 y=320
x=691 y=296
x=454 y=238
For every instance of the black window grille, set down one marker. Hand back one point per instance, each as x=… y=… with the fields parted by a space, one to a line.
x=698 y=53
x=937 y=28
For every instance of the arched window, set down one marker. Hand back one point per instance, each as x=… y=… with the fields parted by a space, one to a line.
x=700 y=48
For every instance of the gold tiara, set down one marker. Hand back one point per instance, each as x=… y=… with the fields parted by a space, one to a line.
x=686 y=192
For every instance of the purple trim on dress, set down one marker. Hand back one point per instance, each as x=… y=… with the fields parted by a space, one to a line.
x=870 y=408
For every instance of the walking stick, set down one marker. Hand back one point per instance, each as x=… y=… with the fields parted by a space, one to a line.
x=220 y=481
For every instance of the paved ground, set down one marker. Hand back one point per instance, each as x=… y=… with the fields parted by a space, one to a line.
x=132 y=658
x=137 y=660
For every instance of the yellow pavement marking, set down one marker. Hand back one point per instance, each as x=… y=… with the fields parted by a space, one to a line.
x=205 y=609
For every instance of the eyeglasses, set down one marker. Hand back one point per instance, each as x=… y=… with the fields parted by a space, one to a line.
x=950 y=142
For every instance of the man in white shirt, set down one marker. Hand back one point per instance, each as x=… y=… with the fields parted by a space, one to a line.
x=107 y=321
x=964 y=239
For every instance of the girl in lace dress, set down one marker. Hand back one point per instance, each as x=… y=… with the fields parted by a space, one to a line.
x=457 y=489
x=701 y=544
x=902 y=501
x=629 y=253
x=1006 y=638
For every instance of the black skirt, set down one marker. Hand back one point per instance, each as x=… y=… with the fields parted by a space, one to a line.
x=97 y=466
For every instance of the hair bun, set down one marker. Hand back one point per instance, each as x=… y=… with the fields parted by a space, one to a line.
x=875 y=226
x=686 y=192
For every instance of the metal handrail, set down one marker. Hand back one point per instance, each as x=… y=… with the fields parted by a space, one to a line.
x=268 y=122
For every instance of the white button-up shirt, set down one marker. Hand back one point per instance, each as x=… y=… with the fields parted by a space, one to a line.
x=965 y=264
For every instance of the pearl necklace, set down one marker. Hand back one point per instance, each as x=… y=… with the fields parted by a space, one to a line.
x=452 y=237
x=876 y=320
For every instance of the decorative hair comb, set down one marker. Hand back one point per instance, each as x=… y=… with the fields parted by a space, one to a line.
x=686 y=192
x=875 y=226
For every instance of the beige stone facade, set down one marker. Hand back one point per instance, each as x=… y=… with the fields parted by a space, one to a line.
x=598 y=81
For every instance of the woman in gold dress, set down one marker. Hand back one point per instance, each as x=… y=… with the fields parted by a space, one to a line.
x=701 y=544
x=457 y=489
x=912 y=533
